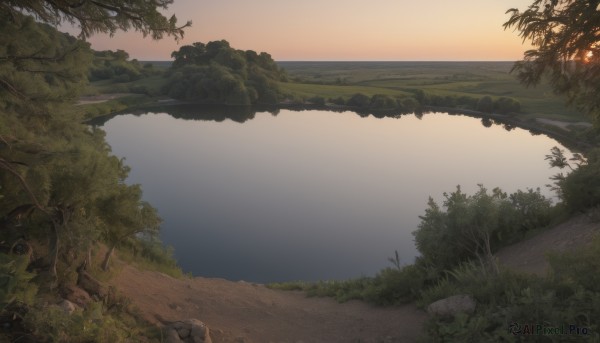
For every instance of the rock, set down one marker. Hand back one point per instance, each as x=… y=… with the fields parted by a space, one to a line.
x=199 y=332
x=75 y=295
x=91 y=285
x=67 y=306
x=190 y=330
x=172 y=336
x=453 y=305
x=184 y=332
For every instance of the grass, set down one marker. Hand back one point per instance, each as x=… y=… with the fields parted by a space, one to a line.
x=115 y=105
x=151 y=84
x=303 y=90
x=473 y=79
x=167 y=264
x=395 y=79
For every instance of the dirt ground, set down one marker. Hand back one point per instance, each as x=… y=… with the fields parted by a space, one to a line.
x=244 y=312
x=96 y=99
x=530 y=255
x=563 y=124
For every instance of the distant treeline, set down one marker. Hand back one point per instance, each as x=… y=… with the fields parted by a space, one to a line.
x=411 y=104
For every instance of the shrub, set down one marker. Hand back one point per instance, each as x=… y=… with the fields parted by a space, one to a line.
x=485 y=104
x=507 y=105
x=317 y=100
x=382 y=102
x=338 y=101
x=474 y=226
x=508 y=301
x=15 y=283
x=359 y=100
x=409 y=104
x=581 y=189
x=122 y=78
x=393 y=286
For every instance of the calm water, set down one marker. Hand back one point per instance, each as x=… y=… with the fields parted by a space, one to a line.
x=310 y=195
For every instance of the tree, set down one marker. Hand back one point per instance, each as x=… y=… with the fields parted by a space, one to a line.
x=565 y=36
x=125 y=215
x=217 y=73
x=359 y=100
x=102 y=16
x=485 y=104
x=53 y=168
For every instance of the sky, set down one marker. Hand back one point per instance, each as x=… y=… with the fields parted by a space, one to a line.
x=340 y=30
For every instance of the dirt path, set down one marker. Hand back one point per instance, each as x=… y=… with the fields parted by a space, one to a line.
x=245 y=312
x=530 y=255
x=563 y=124
x=96 y=99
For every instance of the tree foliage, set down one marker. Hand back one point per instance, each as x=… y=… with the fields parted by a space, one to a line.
x=474 y=226
x=116 y=66
x=217 y=73
x=58 y=178
x=580 y=190
x=57 y=174
x=101 y=16
x=565 y=36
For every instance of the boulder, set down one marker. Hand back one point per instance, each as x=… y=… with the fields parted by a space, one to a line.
x=67 y=306
x=75 y=295
x=188 y=331
x=91 y=285
x=451 y=306
x=199 y=332
x=172 y=336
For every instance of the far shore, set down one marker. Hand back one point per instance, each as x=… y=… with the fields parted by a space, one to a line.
x=545 y=126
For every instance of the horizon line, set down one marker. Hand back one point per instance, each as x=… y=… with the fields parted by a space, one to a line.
x=372 y=61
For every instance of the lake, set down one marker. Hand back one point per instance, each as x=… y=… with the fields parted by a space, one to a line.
x=310 y=195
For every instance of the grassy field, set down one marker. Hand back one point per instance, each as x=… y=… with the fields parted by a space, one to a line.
x=395 y=79
x=474 y=79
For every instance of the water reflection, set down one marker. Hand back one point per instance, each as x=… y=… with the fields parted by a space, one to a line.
x=242 y=114
x=309 y=194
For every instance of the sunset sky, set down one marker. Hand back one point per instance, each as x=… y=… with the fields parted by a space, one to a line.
x=354 y=30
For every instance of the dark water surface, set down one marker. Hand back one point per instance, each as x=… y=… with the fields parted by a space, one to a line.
x=310 y=195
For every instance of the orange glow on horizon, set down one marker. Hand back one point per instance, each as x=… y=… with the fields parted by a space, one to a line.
x=435 y=30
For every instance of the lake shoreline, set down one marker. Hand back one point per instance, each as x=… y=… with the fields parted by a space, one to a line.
x=555 y=129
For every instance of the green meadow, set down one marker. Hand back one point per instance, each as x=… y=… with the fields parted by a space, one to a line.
x=456 y=79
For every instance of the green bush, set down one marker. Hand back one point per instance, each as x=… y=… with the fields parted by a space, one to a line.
x=338 y=101
x=485 y=104
x=15 y=285
x=95 y=323
x=382 y=102
x=579 y=267
x=568 y=297
x=391 y=286
x=317 y=100
x=507 y=105
x=408 y=105
x=580 y=190
x=473 y=226
x=396 y=286
x=359 y=100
